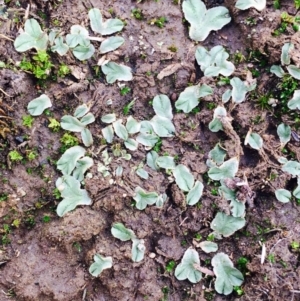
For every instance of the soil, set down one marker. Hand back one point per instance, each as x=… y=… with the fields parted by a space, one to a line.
x=48 y=258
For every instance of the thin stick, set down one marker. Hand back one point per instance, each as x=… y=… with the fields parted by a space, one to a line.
x=5 y=93
x=5 y=37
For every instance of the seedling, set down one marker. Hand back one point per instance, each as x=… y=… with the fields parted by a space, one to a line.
x=119 y=231
x=295 y=245
x=82 y=117
x=54 y=125
x=159 y=22
x=137 y=13
x=203 y=21
x=15 y=156
x=100 y=264
x=46 y=219
x=128 y=107
x=31 y=155
x=63 y=70
x=27 y=121
x=125 y=90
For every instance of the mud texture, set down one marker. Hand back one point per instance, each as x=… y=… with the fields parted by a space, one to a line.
x=48 y=258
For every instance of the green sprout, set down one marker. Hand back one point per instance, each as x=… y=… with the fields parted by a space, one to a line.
x=128 y=107
x=170 y=266
x=63 y=70
x=28 y=120
x=125 y=90
x=54 y=125
x=15 y=156
x=31 y=155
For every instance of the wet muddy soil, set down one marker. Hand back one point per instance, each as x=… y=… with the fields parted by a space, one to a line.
x=44 y=257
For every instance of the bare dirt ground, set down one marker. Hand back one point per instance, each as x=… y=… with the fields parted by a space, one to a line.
x=48 y=258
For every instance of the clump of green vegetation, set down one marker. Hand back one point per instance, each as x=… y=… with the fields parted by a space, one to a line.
x=3 y=197
x=297 y=3
x=68 y=140
x=238 y=290
x=170 y=266
x=263 y=101
x=54 y=125
x=28 y=120
x=128 y=107
x=173 y=48
x=238 y=57
x=40 y=66
x=124 y=90
x=56 y=194
x=5 y=239
x=287 y=19
x=15 y=156
x=276 y=4
x=46 y=219
x=137 y=13
x=159 y=22
x=295 y=245
x=158 y=145
x=63 y=70
x=242 y=264
x=31 y=155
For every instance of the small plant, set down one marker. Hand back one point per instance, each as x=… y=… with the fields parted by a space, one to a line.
x=128 y=107
x=297 y=4
x=295 y=245
x=170 y=266
x=69 y=140
x=3 y=197
x=159 y=22
x=54 y=125
x=40 y=66
x=63 y=70
x=173 y=48
x=15 y=156
x=276 y=4
x=137 y=13
x=46 y=219
x=31 y=155
x=124 y=91
x=238 y=290
x=27 y=120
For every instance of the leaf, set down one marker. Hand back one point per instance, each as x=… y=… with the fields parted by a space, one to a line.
x=33 y=37
x=294 y=103
x=148 y=140
x=285 y=53
x=214 y=62
x=226 y=96
x=104 y=28
x=208 y=246
x=108 y=133
x=82 y=165
x=277 y=70
x=283 y=195
x=100 y=263
x=292 y=168
x=144 y=198
x=227 y=170
x=161 y=200
x=131 y=144
x=87 y=119
x=81 y=110
x=72 y=195
x=162 y=106
x=37 y=106
x=217 y=154
x=240 y=89
x=138 y=249
x=87 y=138
x=166 y=162
x=118 y=230
x=215 y=125
x=120 y=129
x=227 y=275
x=296 y=192
x=83 y=53
x=78 y=36
x=254 y=140
x=245 y=4
x=226 y=193
x=284 y=133
x=189 y=98
x=111 y=44
x=115 y=72
x=294 y=71
x=142 y=173
x=132 y=125
x=162 y=126
x=194 y=194
x=60 y=47
x=109 y=118
x=187 y=269
x=183 y=178
x=237 y=208
x=226 y=225
x=203 y=21
x=71 y=123
x=151 y=160
x=68 y=160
